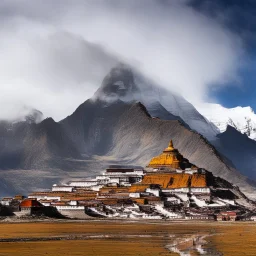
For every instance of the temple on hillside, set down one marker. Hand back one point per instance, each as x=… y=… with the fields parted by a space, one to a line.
x=170 y=158
x=171 y=188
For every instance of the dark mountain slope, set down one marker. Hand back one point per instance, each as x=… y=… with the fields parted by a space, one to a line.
x=91 y=126
x=11 y=141
x=27 y=146
x=240 y=149
x=45 y=143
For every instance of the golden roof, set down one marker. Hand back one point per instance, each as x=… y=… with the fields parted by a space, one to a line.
x=170 y=158
x=175 y=180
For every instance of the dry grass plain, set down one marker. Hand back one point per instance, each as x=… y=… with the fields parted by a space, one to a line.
x=121 y=238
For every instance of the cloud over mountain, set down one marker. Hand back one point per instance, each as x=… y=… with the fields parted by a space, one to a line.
x=55 y=53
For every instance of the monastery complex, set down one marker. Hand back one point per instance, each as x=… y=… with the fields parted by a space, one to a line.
x=170 y=187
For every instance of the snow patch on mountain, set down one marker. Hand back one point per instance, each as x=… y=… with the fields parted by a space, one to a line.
x=120 y=84
x=243 y=119
x=126 y=84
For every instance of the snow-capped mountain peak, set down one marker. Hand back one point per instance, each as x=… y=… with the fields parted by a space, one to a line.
x=242 y=119
x=126 y=84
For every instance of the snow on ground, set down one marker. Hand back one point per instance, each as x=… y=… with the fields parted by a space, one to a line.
x=182 y=196
x=200 y=203
x=217 y=203
x=226 y=201
x=128 y=212
x=167 y=213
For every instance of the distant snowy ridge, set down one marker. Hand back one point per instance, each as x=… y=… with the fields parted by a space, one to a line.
x=242 y=119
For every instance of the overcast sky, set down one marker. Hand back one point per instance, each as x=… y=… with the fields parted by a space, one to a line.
x=54 y=54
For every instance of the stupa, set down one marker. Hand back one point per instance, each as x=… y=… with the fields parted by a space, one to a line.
x=170 y=158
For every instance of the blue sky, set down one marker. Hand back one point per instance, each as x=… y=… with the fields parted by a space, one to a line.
x=243 y=93
x=240 y=17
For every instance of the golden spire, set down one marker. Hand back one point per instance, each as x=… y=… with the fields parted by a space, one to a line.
x=170 y=147
x=169 y=158
x=170 y=144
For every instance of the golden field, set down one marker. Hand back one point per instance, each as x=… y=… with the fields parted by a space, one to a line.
x=121 y=238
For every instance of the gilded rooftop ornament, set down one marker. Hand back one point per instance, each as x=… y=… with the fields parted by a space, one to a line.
x=170 y=158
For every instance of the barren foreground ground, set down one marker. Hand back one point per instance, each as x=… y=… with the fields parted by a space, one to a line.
x=123 y=238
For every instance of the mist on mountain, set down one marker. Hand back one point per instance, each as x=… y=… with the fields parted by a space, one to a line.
x=55 y=55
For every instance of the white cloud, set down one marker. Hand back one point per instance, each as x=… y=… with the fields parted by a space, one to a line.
x=52 y=73
x=47 y=62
